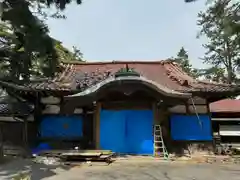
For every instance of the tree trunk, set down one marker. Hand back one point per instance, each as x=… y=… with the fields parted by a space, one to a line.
x=229 y=76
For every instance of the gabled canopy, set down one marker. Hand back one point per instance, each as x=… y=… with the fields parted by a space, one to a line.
x=131 y=79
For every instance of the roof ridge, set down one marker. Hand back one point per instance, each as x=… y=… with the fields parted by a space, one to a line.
x=116 y=62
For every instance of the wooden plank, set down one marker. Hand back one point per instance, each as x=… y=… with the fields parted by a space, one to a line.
x=59 y=152
x=82 y=154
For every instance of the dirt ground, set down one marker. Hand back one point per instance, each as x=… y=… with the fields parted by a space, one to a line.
x=125 y=170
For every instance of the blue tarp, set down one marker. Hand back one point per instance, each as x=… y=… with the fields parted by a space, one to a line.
x=127 y=131
x=41 y=147
x=189 y=127
x=61 y=127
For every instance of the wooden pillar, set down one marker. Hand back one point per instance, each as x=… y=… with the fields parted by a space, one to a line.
x=208 y=108
x=25 y=136
x=164 y=122
x=187 y=108
x=37 y=114
x=96 y=125
x=84 y=121
x=1 y=143
x=209 y=114
x=215 y=139
x=25 y=131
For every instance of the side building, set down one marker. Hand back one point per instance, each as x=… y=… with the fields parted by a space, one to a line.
x=226 y=124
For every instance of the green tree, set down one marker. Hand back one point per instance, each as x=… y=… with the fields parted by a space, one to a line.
x=183 y=60
x=65 y=54
x=77 y=54
x=215 y=74
x=31 y=39
x=219 y=23
x=12 y=54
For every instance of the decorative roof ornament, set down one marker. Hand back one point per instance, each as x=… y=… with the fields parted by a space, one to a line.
x=126 y=71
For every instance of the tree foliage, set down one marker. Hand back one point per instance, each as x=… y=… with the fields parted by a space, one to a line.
x=13 y=57
x=77 y=54
x=220 y=24
x=65 y=54
x=30 y=45
x=183 y=60
x=26 y=47
x=215 y=74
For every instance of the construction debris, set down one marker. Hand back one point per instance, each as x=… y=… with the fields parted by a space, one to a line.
x=47 y=160
x=87 y=157
x=73 y=157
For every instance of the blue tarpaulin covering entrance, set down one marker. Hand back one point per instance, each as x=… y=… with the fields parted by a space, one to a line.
x=127 y=131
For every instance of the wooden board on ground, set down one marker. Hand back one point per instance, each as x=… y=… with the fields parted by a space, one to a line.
x=87 y=156
x=60 y=152
x=83 y=154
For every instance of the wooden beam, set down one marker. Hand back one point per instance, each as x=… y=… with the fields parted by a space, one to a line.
x=118 y=105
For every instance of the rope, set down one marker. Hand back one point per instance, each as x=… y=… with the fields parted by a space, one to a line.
x=195 y=109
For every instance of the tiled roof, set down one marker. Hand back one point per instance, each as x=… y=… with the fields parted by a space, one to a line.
x=81 y=75
x=226 y=105
x=12 y=106
x=12 y=109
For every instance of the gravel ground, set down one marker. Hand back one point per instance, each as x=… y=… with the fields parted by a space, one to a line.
x=126 y=170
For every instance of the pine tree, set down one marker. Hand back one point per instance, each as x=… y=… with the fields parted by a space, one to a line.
x=183 y=60
x=219 y=24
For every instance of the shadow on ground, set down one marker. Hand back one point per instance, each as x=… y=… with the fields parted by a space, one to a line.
x=12 y=167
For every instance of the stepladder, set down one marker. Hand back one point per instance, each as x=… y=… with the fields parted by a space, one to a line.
x=159 y=145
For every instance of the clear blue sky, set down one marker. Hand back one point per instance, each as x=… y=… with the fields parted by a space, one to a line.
x=131 y=29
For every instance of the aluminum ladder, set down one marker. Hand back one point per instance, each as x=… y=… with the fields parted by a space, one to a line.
x=159 y=146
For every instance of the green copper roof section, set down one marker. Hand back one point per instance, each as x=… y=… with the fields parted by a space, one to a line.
x=126 y=71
